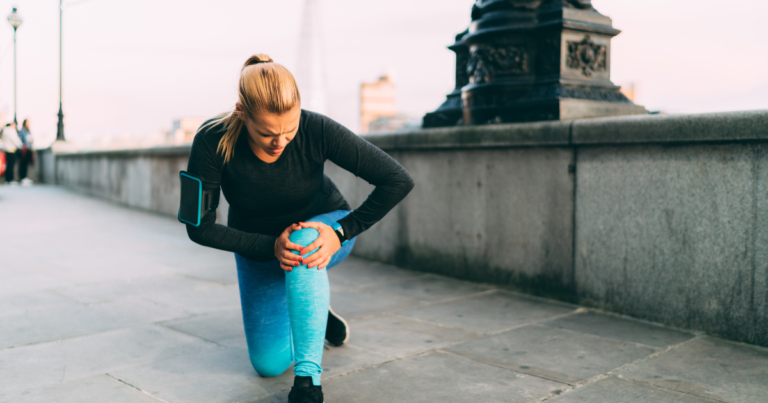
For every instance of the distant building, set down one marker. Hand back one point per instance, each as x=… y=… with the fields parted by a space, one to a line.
x=377 y=100
x=629 y=91
x=183 y=130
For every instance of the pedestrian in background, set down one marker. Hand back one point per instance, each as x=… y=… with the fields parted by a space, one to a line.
x=12 y=147
x=26 y=155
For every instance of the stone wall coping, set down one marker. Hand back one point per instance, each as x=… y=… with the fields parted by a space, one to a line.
x=180 y=150
x=689 y=128
x=745 y=126
x=694 y=128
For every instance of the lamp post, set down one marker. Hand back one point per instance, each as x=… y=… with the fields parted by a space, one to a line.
x=15 y=20
x=60 y=125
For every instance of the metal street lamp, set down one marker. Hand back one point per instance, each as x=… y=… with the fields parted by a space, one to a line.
x=60 y=125
x=15 y=20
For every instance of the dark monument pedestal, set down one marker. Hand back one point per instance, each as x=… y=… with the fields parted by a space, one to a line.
x=451 y=112
x=533 y=60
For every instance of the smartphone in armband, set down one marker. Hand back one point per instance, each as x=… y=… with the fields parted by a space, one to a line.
x=195 y=199
x=191 y=206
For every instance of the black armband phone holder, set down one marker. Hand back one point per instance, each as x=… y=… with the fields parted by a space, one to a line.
x=196 y=200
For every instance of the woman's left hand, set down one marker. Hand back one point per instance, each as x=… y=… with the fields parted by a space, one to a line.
x=327 y=241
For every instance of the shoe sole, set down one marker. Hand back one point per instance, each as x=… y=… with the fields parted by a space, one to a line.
x=346 y=325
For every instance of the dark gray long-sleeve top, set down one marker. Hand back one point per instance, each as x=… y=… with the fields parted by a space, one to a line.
x=266 y=198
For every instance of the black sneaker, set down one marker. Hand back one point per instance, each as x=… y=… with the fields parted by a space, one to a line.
x=303 y=391
x=337 y=329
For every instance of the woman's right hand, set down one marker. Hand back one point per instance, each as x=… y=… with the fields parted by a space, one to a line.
x=283 y=247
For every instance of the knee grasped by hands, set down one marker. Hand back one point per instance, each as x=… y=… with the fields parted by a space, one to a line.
x=310 y=244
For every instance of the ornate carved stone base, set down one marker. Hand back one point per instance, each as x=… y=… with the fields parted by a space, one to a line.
x=486 y=104
x=530 y=60
x=450 y=113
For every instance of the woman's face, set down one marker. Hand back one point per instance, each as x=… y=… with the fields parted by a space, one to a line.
x=270 y=133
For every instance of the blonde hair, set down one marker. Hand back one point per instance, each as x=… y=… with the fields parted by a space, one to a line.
x=264 y=86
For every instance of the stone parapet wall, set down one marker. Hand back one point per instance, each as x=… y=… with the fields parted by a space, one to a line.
x=146 y=179
x=663 y=218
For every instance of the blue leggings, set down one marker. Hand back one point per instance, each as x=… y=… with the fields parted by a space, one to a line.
x=285 y=313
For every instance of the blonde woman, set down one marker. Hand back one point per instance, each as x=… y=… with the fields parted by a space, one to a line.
x=287 y=223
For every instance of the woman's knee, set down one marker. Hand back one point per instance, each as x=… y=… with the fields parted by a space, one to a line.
x=304 y=236
x=268 y=367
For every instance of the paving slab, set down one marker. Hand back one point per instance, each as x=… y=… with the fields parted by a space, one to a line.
x=488 y=313
x=437 y=377
x=212 y=299
x=708 y=367
x=91 y=273
x=615 y=390
x=355 y=272
x=222 y=327
x=427 y=288
x=41 y=365
x=225 y=273
x=33 y=301
x=551 y=353
x=225 y=375
x=66 y=321
x=398 y=336
x=348 y=358
x=191 y=257
x=623 y=329
x=97 y=389
x=138 y=287
x=20 y=283
x=355 y=304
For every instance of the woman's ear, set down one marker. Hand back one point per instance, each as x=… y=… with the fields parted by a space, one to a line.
x=239 y=112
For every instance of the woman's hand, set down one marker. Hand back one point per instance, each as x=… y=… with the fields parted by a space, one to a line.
x=283 y=247
x=327 y=241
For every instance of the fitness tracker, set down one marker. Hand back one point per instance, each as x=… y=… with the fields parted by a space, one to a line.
x=196 y=200
x=339 y=230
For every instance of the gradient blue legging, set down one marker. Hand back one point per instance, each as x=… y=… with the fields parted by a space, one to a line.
x=285 y=313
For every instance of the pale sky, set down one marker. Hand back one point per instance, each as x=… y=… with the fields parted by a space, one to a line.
x=131 y=67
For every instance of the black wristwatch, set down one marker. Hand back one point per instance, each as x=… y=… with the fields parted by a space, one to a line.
x=339 y=230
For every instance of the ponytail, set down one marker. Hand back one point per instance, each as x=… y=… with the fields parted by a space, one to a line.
x=264 y=86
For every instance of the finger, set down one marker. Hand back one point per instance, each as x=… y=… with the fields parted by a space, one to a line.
x=289 y=257
x=325 y=261
x=318 y=243
x=290 y=263
x=294 y=246
x=319 y=263
x=287 y=232
x=317 y=257
x=286 y=268
x=316 y=225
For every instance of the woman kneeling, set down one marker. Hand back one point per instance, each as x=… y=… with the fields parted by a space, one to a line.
x=288 y=223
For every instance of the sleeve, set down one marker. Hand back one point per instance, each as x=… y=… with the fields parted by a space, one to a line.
x=365 y=160
x=206 y=165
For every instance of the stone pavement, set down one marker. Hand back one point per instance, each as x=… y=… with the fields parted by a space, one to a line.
x=99 y=303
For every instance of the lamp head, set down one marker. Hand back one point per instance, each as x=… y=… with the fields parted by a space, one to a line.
x=14 y=19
